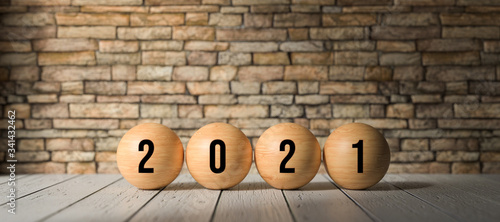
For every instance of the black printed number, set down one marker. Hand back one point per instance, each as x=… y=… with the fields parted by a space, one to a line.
x=151 y=149
x=291 y=144
x=359 y=145
x=222 y=151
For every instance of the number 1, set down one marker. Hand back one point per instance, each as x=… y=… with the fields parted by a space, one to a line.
x=359 y=145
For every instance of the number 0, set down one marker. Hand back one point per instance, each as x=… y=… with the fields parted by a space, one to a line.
x=291 y=144
x=359 y=145
x=222 y=151
x=151 y=149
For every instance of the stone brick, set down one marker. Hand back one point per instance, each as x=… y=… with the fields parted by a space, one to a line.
x=173 y=45
x=24 y=73
x=72 y=156
x=450 y=73
x=117 y=99
x=412 y=156
x=202 y=58
x=154 y=73
x=172 y=2
x=75 y=73
x=490 y=58
x=408 y=168
x=144 y=33
x=445 y=58
x=306 y=73
x=491 y=46
x=398 y=59
x=81 y=168
x=308 y=87
x=102 y=110
x=348 y=88
x=356 y=58
x=384 y=123
x=27 y=19
x=401 y=110
x=107 y=167
x=410 y=19
x=260 y=73
x=50 y=111
x=234 y=58
x=271 y=58
x=199 y=18
x=107 y=144
x=426 y=98
x=37 y=124
x=106 y=2
x=279 y=88
x=236 y=111
x=468 y=168
x=118 y=46
x=42 y=98
x=85 y=124
x=156 y=19
x=329 y=123
x=217 y=99
x=185 y=8
x=396 y=46
x=92 y=19
x=424 y=2
x=163 y=58
x=378 y=73
x=311 y=99
x=364 y=99
x=206 y=46
x=40 y=2
x=319 y=58
x=245 y=88
x=118 y=58
x=447 y=45
x=454 y=144
x=296 y=20
x=439 y=168
x=469 y=19
x=21 y=33
x=321 y=111
x=190 y=73
x=137 y=88
x=193 y=33
x=266 y=99
x=105 y=156
x=91 y=8
x=302 y=46
x=452 y=156
x=469 y=124
x=408 y=73
x=72 y=87
x=269 y=8
x=253 y=46
x=18 y=59
x=67 y=58
x=236 y=9
x=190 y=111
x=12 y=46
x=158 y=110
x=286 y=111
x=105 y=88
x=346 y=73
x=350 y=111
x=341 y=33
x=221 y=20
x=200 y=88
x=32 y=156
x=258 y=20
x=477 y=110
x=251 y=34
x=349 y=19
x=414 y=145
x=64 y=45
x=493 y=167
x=364 y=2
x=490 y=157
x=471 y=32
x=30 y=145
x=177 y=123
x=260 y=2
x=255 y=123
x=404 y=33
x=223 y=73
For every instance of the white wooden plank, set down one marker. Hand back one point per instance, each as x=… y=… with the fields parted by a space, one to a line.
x=252 y=200
x=48 y=201
x=116 y=202
x=472 y=183
x=5 y=177
x=182 y=200
x=389 y=203
x=462 y=205
x=494 y=177
x=320 y=200
x=31 y=184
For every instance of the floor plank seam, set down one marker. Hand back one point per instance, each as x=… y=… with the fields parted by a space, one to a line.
x=147 y=202
x=427 y=202
x=366 y=211
x=289 y=208
x=83 y=198
x=215 y=208
x=17 y=177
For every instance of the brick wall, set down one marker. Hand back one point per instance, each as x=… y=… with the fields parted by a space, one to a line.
x=80 y=73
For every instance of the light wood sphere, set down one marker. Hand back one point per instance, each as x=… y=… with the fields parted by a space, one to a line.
x=347 y=165
x=219 y=156
x=164 y=162
x=276 y=163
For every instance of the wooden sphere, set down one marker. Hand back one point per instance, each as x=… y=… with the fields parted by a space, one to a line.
x=163 y=164
x=341 y=156
x=207 y=149
x=282 y=169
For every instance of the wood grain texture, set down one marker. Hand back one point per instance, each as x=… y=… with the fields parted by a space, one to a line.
x=341 y=159
x=116 y=202
x=238 y=156
x=252 y=200
x=166 y=160
x=5 y=178
x=182 y=200
x=305 y=160
x=48 y=201
x=461 y=205
x=320 y=200
x=475 y=184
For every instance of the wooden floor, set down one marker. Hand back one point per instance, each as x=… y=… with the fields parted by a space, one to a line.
x=395 y=198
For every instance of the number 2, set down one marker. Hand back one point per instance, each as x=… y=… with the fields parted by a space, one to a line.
x=359 y=145
x=291 y=144
x=151 y=149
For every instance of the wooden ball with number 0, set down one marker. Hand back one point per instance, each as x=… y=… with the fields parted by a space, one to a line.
x=219 y=156
x=150 y=156
x=287 y=156
x=356 y=156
